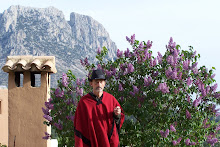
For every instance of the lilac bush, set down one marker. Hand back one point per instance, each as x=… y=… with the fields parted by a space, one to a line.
x=168 y=100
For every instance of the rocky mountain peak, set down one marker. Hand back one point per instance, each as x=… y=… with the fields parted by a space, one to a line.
x=44 y=31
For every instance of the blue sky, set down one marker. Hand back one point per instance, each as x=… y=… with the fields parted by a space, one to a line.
x=189 y=22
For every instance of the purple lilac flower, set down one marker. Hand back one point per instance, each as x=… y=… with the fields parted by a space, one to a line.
x=163 y=88
x=179 y=139
x=195 y=70
x=78 y=83
x=180 y=76
x=169 y=72
x=65 y=80
x=108 y=73
x=175 y=53
x=149 y=55
x=58 y=126
x=194 y=65
x=218 y=128
x=159 y=57
x=186 y=64
x=79 y=91
x=50 y=100
x=188 y=115
x=127 y=53
x=154 y=62
x=203 y=91
x=132 y=93
x=125 y=71
x=217 y=95
x=189 y=81
x=170 y=60
x=149 y=44
x=45 y=111
x=141 y=46
x=214 y=87
x=196 y=102
x=132 y=39
x=122 y=66
x=59 y=93
x=181 y=57
x=208 y=89
x=82 y=63
x=188 y=99
x=68 y=117
x=114 y=71
x=47 y=136
x=120 y=88
x=128 y=39
x=212 y=141
x=146 y=54
x=151 y=63
x=212 y=76
x=99 y=51
x=49 y=105
x=147 y=81
x=135 y=89
x=139 y=59
x=154 y=74
x=174 y=142
x=72 y=118
x=214 y=108
x=119 y=53
x=68 y=101
x=171 y=44
x=187 y=142
x=164 y=134
x=172 y=128
x=194 y=54
x=130 y=68
x=86 y=62
x=48 y=117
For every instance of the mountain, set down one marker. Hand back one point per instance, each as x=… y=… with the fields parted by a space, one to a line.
x=45 y=32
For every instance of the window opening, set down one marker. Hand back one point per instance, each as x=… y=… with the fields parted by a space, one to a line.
x=19 y=78
x=48 y=79
x=35 y=79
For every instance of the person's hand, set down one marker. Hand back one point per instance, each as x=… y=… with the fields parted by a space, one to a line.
x=117 y=110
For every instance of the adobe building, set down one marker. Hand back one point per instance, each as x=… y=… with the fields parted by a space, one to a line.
x=26 y=97
x=3 y=116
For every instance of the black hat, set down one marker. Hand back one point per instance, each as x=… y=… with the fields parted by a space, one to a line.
x=97 y=74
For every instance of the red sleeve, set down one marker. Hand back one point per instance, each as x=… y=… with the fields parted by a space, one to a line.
x=80 y=127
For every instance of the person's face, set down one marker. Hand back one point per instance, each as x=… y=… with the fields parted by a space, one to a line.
x=97 y=85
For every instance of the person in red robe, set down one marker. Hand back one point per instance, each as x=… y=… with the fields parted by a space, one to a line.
x=98 y=117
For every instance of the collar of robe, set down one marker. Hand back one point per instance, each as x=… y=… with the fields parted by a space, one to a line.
x=98 y=100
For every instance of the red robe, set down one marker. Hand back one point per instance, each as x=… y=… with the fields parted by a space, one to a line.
x=94 y=124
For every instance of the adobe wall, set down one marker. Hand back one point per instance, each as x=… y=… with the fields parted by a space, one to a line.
x=4 y=116
x=26 y=127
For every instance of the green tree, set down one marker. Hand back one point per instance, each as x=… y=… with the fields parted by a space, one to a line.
x=168 y=100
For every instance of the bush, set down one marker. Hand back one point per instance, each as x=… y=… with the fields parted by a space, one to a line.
x=168 y=100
